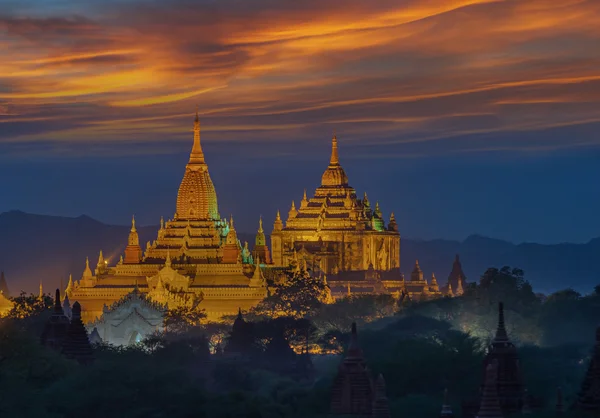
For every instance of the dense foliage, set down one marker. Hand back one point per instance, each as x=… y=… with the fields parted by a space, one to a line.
x=255 y=369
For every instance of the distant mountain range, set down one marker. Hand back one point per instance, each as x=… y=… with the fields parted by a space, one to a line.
x=36 y=248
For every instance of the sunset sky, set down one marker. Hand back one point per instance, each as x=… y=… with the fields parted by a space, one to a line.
x=461 y=116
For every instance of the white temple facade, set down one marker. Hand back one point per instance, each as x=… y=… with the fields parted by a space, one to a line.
x=129 y=320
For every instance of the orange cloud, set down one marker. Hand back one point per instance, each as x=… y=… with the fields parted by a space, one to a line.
x=417 y=69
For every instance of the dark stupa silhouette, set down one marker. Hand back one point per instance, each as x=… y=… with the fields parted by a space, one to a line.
x=77 y=344
x=489 y=406
x=55 y=330
x=509 y=383
x=588 y=399
x=352 y=391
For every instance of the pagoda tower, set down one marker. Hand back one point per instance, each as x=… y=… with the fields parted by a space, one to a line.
x=197 y=198
x=503 y=353
x=353 y=391
x=76 y=345
x=232 y=249
x=417 y=273
x=133 y=251
x=588 y=399
x=457 y=274
x=57 y=326
x=260 y=245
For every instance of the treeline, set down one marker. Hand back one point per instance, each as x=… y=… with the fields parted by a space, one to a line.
x=258 y=367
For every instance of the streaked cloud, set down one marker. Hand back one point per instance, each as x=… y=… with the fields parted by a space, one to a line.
x=405 y=72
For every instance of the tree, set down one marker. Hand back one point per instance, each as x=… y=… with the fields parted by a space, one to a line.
x=26 y=306
x=183 y=319
x=299 y=296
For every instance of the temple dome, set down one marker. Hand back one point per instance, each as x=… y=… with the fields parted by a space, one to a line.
x=334 y=175
x=197 y=198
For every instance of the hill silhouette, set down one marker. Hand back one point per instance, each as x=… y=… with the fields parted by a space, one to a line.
x=49 y=248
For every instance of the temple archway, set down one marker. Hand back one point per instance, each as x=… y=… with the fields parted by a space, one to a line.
x=135 y=338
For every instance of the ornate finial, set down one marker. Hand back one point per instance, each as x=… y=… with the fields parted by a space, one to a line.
x=231 y=222
x=293 y=206
x=197 y=156
x=416 y=263
x=304 y=197
x=133 y=223
x=334 y=160
x=278 y=217
x=41 y=290
x=162 y=223
x=392 y=217
x=260 y=225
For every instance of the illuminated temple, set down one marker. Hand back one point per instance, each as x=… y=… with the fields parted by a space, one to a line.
x=345 y=238
x=195 y=258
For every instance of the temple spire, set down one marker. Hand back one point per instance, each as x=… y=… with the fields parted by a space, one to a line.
x=133 y=224
x=41 y=290
x=501 y=334
x=260 y=225
x=197 y=156
x=354 y=350
x=335 y=159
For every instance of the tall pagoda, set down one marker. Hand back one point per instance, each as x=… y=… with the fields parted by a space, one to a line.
x=194 y=253
x=588 y=399
x=57 y=326
x=76 y=345
x=503 y=353
x=457 y=278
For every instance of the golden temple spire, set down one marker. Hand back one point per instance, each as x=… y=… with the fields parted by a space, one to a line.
x=41 y=290
x=69 y=288
x=133 y=224
x=168 y=259
x=335 y=159
x=197 y=156
x=162 y=223
x=260 y=225
x=231 y=222
x=278 y=224
x=87 y=272
x=293 y=212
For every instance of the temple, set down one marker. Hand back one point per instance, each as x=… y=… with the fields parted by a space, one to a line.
x=195 y=257
x=343 y=237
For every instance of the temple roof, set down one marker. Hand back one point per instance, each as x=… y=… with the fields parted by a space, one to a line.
x=197 y=198
x=334 y=175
